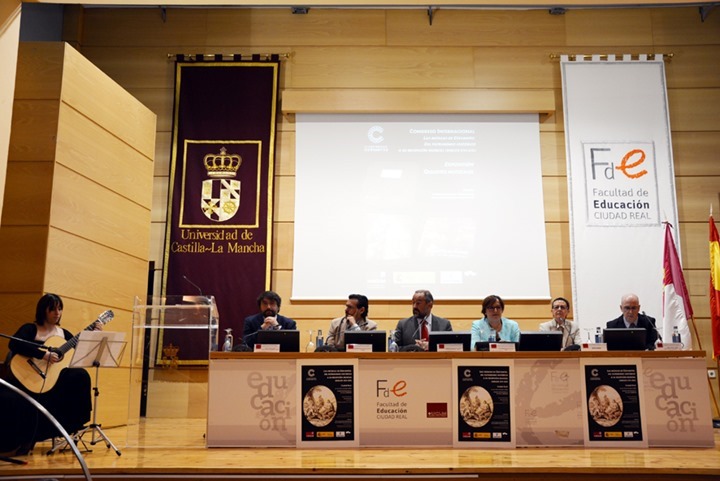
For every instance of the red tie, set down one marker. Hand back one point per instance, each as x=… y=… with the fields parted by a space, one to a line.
x=424 y=331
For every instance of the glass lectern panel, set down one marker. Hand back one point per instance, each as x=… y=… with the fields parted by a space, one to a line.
x=171 y=340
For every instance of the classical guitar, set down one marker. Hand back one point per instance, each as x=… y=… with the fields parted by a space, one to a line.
x=38 y=375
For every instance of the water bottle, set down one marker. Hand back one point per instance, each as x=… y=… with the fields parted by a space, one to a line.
x=676 y=335
x=492 y=337
x=310 y=345
x=598 y=335
x=319 y=340
x=228 y=344
x=392 y=345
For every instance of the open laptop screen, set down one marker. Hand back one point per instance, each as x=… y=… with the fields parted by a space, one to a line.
x=377 y=339
x=540 y=341
x=449 y=337
x=289 y=339
x=622 y=339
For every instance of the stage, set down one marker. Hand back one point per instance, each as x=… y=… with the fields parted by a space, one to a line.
x=175 y=449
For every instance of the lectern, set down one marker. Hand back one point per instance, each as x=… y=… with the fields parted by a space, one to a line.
x=171 y=340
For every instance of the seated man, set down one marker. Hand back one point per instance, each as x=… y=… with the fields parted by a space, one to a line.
x=631 y=317
x=355 y=319
x=416 y=329
x=268 y=318
x=560 y=307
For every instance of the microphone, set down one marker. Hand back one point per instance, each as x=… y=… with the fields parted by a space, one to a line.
x=651 y=320
x=194 y=285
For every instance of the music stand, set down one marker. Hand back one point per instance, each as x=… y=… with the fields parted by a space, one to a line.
x=97 y=349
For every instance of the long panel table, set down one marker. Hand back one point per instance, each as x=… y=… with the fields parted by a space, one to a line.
x=459 y=399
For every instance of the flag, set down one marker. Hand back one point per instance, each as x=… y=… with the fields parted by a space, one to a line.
x=676 y=300
x=715 y=288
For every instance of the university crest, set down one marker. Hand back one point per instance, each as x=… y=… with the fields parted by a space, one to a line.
x=221 y=192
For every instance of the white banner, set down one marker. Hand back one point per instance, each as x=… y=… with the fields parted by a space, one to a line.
x=677 y=404
x=621 y=183
x=548 y=407
x=405 y=402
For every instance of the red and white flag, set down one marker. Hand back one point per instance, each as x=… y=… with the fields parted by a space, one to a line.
x=715 y=288
x=677 y=310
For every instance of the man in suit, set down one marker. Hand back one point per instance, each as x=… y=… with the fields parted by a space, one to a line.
x=355 y=319
x=560 y=308
x=268 y=318
x=415 y=330
x=631 y=317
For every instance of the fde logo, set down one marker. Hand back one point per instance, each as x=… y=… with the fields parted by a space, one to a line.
x=396 y=390
x=631 y=165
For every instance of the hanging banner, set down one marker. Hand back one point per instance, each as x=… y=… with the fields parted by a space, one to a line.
x=219 y=227
x=621 y=183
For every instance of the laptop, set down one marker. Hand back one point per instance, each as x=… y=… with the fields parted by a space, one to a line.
x=377 y=339
x=288 y=339
x=622 y=339
x=540 y=341
x=440 y=338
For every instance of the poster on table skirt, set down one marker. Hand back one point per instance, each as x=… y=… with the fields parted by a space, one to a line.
x=612 y=403
x=328 y=404
x=483 y=404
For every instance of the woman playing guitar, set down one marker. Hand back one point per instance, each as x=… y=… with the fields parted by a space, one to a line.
x=41 y=372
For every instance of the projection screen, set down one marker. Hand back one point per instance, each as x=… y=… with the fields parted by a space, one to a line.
x=387 y=204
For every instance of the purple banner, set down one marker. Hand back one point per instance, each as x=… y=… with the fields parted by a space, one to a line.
x=219 y=227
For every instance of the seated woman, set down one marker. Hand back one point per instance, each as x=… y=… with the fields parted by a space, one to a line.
x=494 y=324
x=63 y=391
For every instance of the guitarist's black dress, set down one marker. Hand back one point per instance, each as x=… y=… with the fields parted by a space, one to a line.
x=69 y=400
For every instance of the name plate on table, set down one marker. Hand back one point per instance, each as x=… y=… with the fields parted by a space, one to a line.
x=597 y=346
x=267 y=348
x=359 y=348
x=670 y=346
x=450 y=347
x=502 y=346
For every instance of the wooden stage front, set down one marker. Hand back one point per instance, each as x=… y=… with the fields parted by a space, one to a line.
x=175 y=449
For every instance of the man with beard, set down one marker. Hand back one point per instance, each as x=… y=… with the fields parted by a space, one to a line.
x=267 y=319
x=415 y=330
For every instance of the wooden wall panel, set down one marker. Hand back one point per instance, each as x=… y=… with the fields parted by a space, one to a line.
x=35 y=129
x=475 y=28
x=517 y=67
x=86 y=209
x=127 y=27
x=278 y=27
x=694 y=249
x=87 y=90
x=84 y=146
x=43 y=63
x=696 y=153
x=691 y=66
x=22 y=266
x=28 y=196
x=93 y=272
x=608 y=29
x=349 y=67
x=683 y=26
x=696 y=193
x=555 y=199
x=552 y=152
x=690 y=109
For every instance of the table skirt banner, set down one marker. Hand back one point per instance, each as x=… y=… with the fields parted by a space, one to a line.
x=464 y=403
x=219 y=227
x=621 y=182
x=252 y=405
x=483 y=404
x=405 y=402
x=327 y=407
x=677 y=405
x=548 y=407
x=612 y=396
